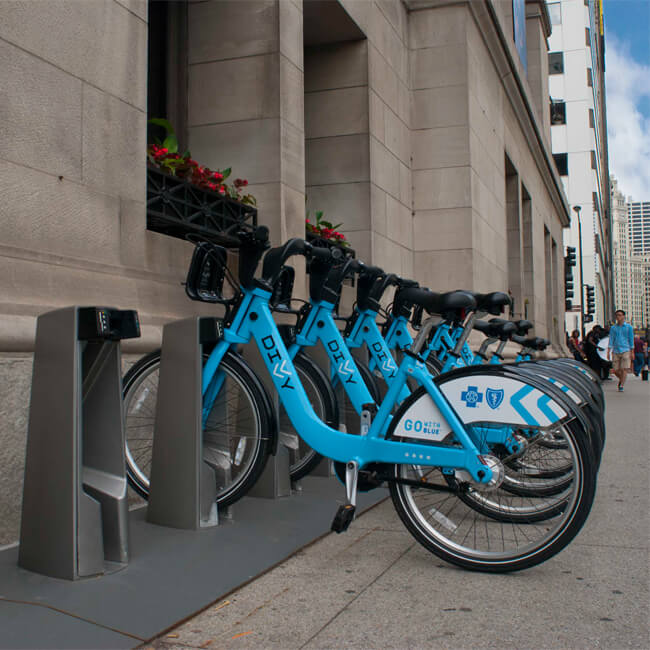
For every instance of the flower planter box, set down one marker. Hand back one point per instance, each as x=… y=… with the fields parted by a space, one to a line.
x=178 y=209
x=325 y=243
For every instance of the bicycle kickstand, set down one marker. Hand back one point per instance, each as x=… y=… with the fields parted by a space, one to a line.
x=345 y=513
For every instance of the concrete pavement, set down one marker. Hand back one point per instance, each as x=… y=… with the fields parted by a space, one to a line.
x=375 y=587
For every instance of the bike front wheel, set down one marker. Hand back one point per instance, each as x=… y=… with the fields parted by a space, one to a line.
x=235 y=440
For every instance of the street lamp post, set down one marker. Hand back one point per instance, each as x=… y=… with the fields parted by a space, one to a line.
x=576 y=209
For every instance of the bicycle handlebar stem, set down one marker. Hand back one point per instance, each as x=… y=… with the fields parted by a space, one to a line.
x=368 y=275
x=252 y=247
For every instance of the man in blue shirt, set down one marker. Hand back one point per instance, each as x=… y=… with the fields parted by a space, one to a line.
x=621 y=344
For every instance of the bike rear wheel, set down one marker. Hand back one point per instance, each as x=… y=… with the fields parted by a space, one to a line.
x=235 y=440
x=458 y=532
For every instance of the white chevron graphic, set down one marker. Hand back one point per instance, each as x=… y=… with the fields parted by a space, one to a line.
x=280 y=371
x=388 y=365
x=344 y=368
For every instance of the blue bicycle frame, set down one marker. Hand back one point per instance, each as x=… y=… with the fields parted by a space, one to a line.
x=254 y=320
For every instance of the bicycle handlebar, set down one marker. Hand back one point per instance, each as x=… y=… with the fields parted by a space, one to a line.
x=276 y=257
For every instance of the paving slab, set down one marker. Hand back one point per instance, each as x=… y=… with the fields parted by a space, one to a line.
x=44 y=627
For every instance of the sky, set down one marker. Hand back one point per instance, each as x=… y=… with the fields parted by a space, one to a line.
x=627 y=83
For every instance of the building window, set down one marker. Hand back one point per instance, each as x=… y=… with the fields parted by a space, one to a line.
x=167 y=67
x=587 y=37
x=562 y=163
x=555 y=12
x=594 y=162
x=555 y=62
x=558 y=112
x=591 y=118
x=590 y=81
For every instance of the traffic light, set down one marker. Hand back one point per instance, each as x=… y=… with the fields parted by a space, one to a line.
x=591 y=300
x=568 y=288
x=570 y=256
x=569 y=263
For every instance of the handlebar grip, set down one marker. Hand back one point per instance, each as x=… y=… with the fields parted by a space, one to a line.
x=370 y=270
x=261 y=234
x=323 y=254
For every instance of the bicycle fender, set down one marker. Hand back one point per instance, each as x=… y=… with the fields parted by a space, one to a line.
x=576 y=393
x=494 y=394
x=484 y=394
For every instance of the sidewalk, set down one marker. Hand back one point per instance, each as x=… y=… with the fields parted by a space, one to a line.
x=375 y=587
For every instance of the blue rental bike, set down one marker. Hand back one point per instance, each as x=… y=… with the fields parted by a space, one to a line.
x=446 y=434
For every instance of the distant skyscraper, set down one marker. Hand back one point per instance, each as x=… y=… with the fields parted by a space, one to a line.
x=579 y=139
x=638 y=214
x=621 y=249
x=631 y=270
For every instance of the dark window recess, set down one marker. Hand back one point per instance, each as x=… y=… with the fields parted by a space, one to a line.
x=594 y=162
x=555 y=62
x=591 y=118
x=590 y=81
x=157 y=68
x=562 y=163
x=167 y=67
x=558 y=112
x=587 y=37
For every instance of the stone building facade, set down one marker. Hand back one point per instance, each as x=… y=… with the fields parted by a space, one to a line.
x=422 y=125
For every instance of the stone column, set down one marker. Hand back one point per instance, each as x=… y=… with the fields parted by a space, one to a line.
x=538 y=29
x=440 y=140
x=245 y=102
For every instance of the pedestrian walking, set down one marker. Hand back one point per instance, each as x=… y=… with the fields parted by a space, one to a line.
x=639 y=354
x=621 y=345
x=575 y=347
x=590 y=349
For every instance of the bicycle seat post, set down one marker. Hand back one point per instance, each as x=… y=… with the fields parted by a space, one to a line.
x=468 y=326
x=498 y=352
x=423 y=335
x=485 y=345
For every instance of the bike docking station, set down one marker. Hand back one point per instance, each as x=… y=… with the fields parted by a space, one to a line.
x=75 y=510
x=183 y=486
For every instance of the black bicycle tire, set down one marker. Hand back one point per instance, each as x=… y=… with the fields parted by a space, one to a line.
x=238 y=367
x=578 y=516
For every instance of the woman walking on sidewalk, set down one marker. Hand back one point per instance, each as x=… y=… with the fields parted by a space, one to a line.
x=621 y=344
x=575 y=346
x=640 y=347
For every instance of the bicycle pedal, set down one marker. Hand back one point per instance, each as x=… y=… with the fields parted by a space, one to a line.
x=343 y=518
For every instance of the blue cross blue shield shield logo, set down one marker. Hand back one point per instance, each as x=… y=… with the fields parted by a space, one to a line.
x=494 y=397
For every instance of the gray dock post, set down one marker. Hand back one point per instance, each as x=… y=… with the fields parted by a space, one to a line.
x=75 y=510
x=183 y=486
